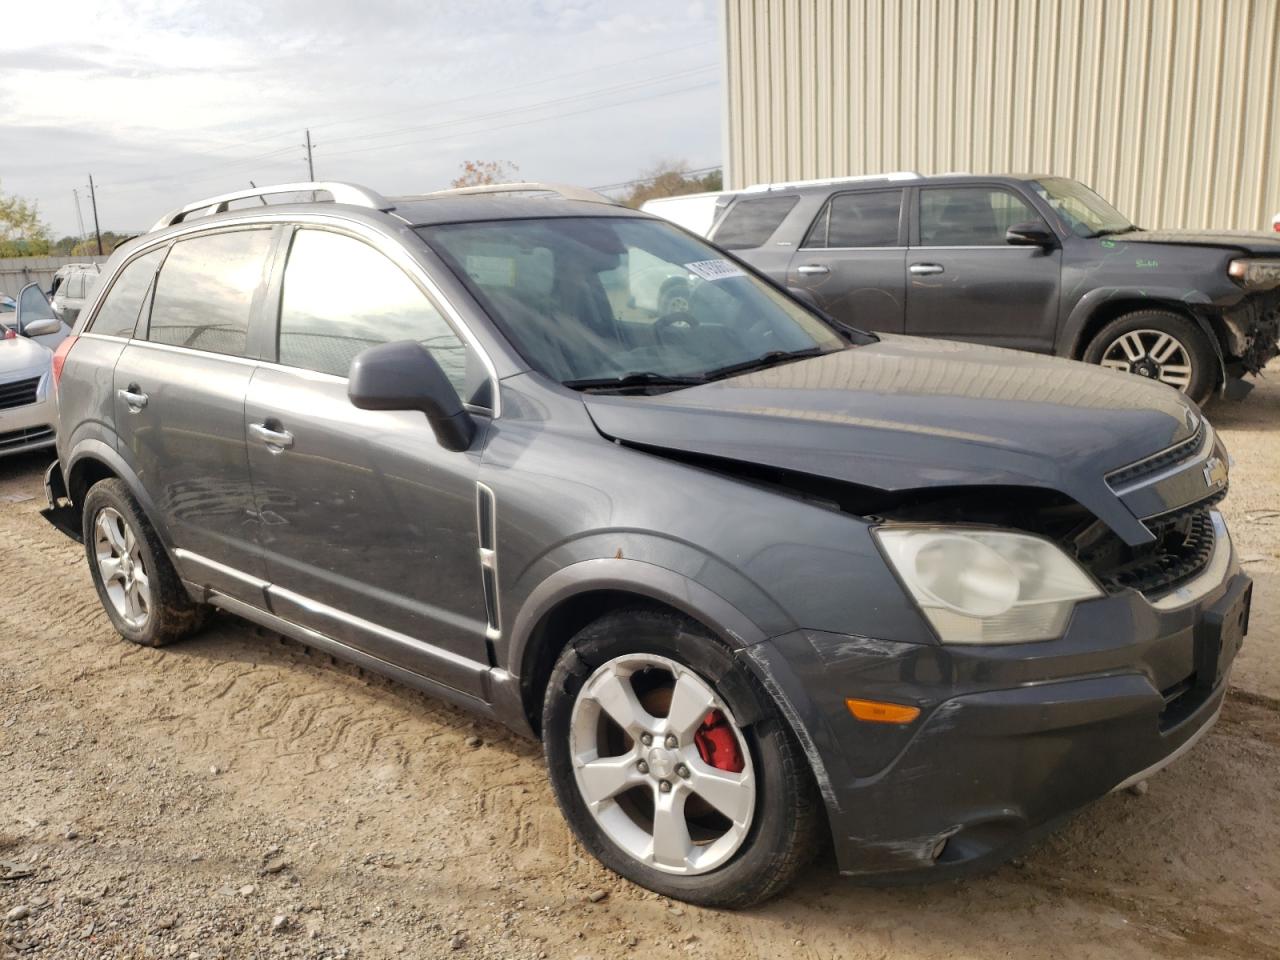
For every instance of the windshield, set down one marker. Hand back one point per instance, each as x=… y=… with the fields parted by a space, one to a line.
x=1084 y=212
x=589 y=299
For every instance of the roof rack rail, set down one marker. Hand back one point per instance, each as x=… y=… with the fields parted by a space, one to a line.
x=349 y=193
x=526 y=186
x=792 y=184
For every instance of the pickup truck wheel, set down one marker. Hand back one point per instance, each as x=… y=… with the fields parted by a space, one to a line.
x=136 y=583
x=672 y=764
x=1159 y=345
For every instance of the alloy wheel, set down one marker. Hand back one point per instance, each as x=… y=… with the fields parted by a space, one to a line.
x=662 y=765
x=1153 y=354
x=122 y=568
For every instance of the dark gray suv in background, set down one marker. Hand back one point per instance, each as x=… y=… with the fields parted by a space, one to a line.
x=753 y=577
x=1037 y=263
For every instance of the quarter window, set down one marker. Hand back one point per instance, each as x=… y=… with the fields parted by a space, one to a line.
x=969 y=216
x=858 y=220
x=750 y=223
x=118 y=314
x=341 y=296
x=204 y=294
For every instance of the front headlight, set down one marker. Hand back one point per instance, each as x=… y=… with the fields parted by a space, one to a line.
x=987 y=586
x=1255 y=274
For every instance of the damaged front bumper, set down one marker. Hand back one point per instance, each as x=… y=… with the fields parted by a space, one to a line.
x=1252 y=333
x=1010 y=739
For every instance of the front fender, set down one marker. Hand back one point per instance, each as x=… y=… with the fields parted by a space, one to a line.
x=640 y=577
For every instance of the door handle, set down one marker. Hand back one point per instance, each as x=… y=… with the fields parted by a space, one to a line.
x=276 y=439
x=134 y=397
x=812 y=269
x=924 y=269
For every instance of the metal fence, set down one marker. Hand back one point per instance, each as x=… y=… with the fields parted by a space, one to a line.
x=17 y=272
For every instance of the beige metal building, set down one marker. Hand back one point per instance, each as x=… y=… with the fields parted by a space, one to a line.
x=1169 y=108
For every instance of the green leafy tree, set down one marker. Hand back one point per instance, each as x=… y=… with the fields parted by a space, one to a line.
x=22 y=234
x=671 y=178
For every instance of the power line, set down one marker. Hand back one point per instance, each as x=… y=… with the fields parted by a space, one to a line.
x=521 y=123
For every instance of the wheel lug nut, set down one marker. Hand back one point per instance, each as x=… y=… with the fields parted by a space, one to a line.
x=672 y=742
x=646 y=739
x=665 y=786
x=642 y=767
x=682 y=771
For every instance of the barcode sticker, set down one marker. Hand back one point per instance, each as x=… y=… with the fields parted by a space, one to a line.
x=714 y=269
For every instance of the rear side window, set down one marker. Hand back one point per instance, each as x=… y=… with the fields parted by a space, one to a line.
x=119 y=311
x=750 y=223
x=205 y=291
x=341 y=296
x=858 y=220
x=970 y=216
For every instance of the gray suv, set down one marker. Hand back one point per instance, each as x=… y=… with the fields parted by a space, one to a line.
x=1037 y=263
x=754 y=578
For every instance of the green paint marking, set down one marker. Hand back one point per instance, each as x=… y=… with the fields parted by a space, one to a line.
x=1148 y=263
x=1108 y=243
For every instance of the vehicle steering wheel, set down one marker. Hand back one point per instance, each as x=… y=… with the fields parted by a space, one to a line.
x=675 y=318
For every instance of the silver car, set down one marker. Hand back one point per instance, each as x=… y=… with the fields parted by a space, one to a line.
x=31 y=332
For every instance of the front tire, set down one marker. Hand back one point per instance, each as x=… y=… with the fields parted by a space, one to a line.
x=1159 y=345
x=135 y=580
x=672 y=764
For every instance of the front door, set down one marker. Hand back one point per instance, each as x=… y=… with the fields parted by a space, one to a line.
x=368 y=524
x=179 y=406
x=853 y=260
x=965 y=282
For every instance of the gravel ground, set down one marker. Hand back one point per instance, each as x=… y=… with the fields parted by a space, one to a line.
x=238 y=795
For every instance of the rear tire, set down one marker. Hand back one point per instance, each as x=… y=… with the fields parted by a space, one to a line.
x=776 y=829
x=1162 y=346
x=131 y=571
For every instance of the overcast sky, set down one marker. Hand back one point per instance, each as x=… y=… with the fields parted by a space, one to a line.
x=168 y=101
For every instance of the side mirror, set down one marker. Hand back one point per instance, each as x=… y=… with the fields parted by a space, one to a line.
x=404 y=376
x=33 y=306
x=1033 y=233
x=42 y=328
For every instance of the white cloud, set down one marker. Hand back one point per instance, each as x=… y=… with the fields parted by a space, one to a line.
x=168 y=100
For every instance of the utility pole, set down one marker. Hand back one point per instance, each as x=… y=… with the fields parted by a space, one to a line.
x=79 y=214
x=311 y=170
x=93 y=199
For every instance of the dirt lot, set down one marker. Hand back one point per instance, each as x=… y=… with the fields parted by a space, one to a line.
x=180 y=802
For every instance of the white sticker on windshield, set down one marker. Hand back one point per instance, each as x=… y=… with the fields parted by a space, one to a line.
x=715 y=269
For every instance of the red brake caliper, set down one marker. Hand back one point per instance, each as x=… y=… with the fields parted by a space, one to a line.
x=716 y=743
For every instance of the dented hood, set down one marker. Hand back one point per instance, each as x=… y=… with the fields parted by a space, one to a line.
x=909 y=413
x=1254 y=242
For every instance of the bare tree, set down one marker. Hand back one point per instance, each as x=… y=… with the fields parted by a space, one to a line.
x=670 y=178
x=479 y=173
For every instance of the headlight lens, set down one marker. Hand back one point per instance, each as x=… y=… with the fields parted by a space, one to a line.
x=987 y=586
x=1255 y=274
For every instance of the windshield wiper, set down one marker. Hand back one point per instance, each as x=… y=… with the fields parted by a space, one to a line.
x=640 y=378
x=771 y=359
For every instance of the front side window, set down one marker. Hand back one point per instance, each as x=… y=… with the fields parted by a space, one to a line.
x=607 y=298
x=858 y=220
x=750 y=223
x=1084 y=212
x=204 y=294
x=341 y=296
x=970 y=216
x=118 y=314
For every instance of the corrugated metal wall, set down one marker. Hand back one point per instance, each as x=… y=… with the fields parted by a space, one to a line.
x=1169 y=108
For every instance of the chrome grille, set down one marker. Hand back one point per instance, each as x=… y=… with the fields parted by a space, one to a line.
x=1143 y=469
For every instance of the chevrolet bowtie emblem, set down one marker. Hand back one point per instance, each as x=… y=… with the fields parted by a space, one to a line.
x=1215 y=473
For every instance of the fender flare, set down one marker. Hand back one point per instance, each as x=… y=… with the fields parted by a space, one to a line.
x=92 y=448
x=632 y=576
x=1069 y=338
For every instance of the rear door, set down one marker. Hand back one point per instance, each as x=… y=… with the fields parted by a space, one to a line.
x=966 y=283
x=180 y=388
x=369 y=525
x=853 y=259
